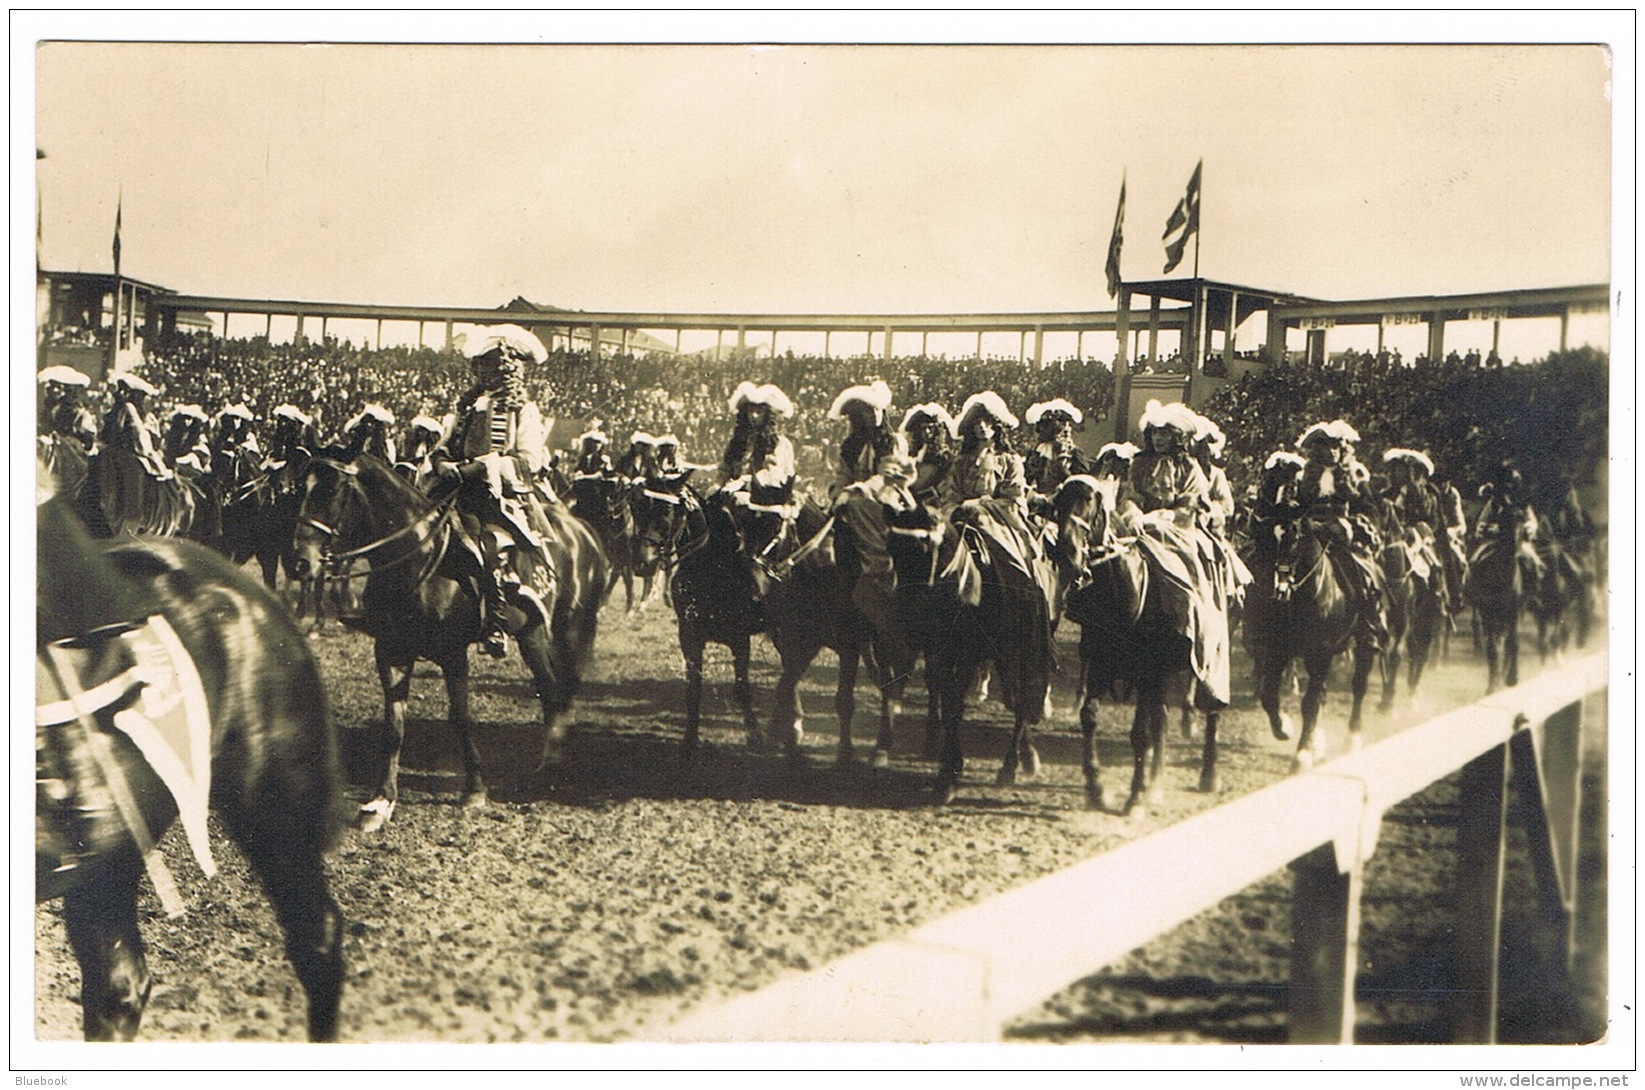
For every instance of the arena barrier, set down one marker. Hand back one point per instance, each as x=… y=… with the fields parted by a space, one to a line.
x=964 y=976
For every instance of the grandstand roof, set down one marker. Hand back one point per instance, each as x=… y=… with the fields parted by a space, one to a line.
x=638 y=340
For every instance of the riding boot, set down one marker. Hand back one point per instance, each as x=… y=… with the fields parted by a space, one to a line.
x=494 y=637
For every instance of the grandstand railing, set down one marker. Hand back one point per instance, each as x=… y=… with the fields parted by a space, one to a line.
x=964 y=976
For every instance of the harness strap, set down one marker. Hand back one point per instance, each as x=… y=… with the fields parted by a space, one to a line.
x=102 y=751
x=438 y=511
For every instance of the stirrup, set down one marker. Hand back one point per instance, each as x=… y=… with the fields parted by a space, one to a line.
x=495 y=643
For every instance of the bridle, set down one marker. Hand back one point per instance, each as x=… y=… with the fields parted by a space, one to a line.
x=336 y=562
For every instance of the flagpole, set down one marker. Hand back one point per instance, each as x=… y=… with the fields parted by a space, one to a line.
x=1199 y=226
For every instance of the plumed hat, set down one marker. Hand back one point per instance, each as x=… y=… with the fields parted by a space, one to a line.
x=770 y=395
x=1123 y=451
x=1041 y=409
x=236 y=410
x=1171 y=415
x=1284 y=457
x=876 y=395
x=1209 y=434
x=64 y=375
x=1405 y=454
x=130 y=382
x=931 y=411
x=669 y=440
x=427 y=423
x=1337 y=431
x=593 y=434
x=372 y=411
x=510 y=338
x=292 y=412
x=642 y=439
x=986 y=402
x=189 y=412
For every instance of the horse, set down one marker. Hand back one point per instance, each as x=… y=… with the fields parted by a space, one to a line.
x=717 y=599
x=1415 y=605
x=1559 y=599
x=99 y=805
x=605 y=504
x=1501 y=566
x=1131 y=644
x=966 y=603
x=1297 y=607
x=421 y=601
x=811 y=607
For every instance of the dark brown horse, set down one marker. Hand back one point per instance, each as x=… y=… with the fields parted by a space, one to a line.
x=421 y=602
x=99 y=804
x=1499 y=571
x=965 y=604
x=607 y=504
x=1297 y=608
x=1415 y=607
x=1131 y=645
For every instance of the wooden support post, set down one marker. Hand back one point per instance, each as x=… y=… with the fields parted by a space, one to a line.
x=1275 y=348
x=451 y=337
x=889 y=338
x=378 y=343
x=742 y=337
x=1496 y=336
x=1079 y=345
x=828 y=335
x=774 y=343
x=268 y=327
x=594 y=344
x=1153 y=331
x=925 y=337
x=719 y=342
x=979 y=344
x=1324 y=948
x=1547 y=774
x=678 y=334
x=1564 y=327
x=1039 y=347
x=1230 y=331
x=1022 y=347
x=420 y=325
x=1381 y=329
x=324 y=323
x=1482 y=843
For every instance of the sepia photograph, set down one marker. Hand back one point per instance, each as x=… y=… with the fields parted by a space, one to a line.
x=1074 y=541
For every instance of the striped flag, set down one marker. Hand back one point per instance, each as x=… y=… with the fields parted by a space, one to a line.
x=1114 y=244
x=1184 y=221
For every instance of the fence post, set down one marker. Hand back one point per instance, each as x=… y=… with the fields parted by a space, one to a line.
x=1547 y=771
x=1324 y=948
x=1482 y=806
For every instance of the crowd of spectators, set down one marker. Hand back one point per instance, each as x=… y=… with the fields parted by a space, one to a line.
x=1468 y=412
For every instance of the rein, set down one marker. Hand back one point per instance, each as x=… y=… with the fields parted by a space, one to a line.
x=437 y=515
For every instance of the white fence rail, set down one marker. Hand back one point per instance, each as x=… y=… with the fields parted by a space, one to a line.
x=962 y=977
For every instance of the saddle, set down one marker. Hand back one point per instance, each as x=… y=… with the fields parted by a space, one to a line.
x=137 y=680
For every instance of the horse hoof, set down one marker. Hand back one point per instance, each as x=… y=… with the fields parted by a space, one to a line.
x=475 y=800
x=1355 y=742
x=756 y=742
x=374 y=815
x=1135 y=808
x=1302 y=762
x=1208 y=784
x=1156 y=796
x=1093 y=797
x=882 y=758
x=944 y=794
x=1282 y=728
x=1006 y=777
x=845 y=757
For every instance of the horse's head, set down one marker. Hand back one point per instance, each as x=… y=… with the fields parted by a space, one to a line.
x=916 y=541
x=661 y=507
x=1083 y=509
x=345 y=503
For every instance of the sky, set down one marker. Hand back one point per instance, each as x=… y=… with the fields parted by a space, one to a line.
x=817 y=178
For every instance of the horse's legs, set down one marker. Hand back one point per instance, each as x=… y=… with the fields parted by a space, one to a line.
x=1390 y=671
x=455 y=670
x=1208 y=755
x=1156 y=744
x=294 y=877
x=891 y=693
x=691 y=646
x=845 y=700
x=786 y=716
x=1270 y=672
x=101 y=917
x=1319 y=673
x=1364 y=657
x=1140 y=727
x=1510 y=652
x=395 y=678
x=1088 y=756
x=744 y=693
x=950 y=684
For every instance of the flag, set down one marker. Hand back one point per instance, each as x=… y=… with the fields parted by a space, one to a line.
x=1114 y=243
x=117 y=210
x=1184 y=218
